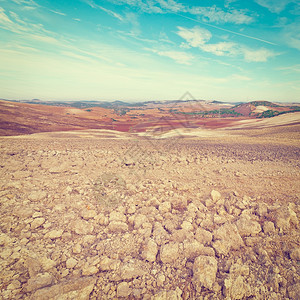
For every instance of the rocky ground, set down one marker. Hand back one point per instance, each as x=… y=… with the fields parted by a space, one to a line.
x=92 y=218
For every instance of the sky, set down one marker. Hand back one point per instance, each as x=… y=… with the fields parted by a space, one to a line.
x=140 y=50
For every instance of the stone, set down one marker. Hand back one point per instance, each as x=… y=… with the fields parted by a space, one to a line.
x=117 y=227
x=203 y=236
x=215 y=195
x=123 y=290
x=284 y=217
x=169 y=252
x=14 y=285
x=161 y=278
x=108 y=264
x=294 y=291
x=36 y=196
x=117 y=216
x=295 y=254
x=89 y=270
x=247 y=227
x=88 y=214
x=262 y=209
x=74 y=289
x=71 y=263
x=150 y=251
x=131 y=269
x=269 y=227
x=204 y=272
x=54 y=234
x=226 y=238
x=168 y=295
x=82 y=227
x=165 y=207
x=193 y=248
x=139 y=220
x=77 y=249
x=187 y=226
x=235 y=288
x=39 y=281
x=37 y=223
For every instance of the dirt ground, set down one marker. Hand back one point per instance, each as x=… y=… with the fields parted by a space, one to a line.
x=105 y=215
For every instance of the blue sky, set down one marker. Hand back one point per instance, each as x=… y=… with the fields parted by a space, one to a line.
x=150 y=49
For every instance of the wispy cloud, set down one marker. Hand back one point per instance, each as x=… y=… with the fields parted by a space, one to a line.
x=92 y=4
x=178 y=56
x=197 y=37
x=226 y=30
x=217 y=15
x=57 y=12
x=275 y=6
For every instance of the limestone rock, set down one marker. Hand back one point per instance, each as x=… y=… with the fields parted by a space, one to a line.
x=226 y=238
x=150 y=251
x=37 y=223
x=36 y=196
x=169 y=252
x=203 y=236
x=71 y=263
x=284 y=217
x=247 y=227
x=236 y=288
x=123 y=289
x=295 y=254
x=268 y=227
x=131 y=269
x=39 y=281
x=88 y=213
x=215 y=195
x=165 y=207
x=193 y=248
x=205 y=270
x=82 y=227
x=54 y=234
x=117 y=226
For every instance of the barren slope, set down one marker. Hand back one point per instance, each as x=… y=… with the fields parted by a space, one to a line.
x=105 y=215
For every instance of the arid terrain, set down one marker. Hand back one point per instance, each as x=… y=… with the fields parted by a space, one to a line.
x=206 y=212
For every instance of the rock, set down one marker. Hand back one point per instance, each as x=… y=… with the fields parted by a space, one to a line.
x=235 y=288
x=139 y=220
x=37 y=223
x=14 y=285
x=165 y=207
x=284 y=217
x=108 y=264
x=75 y=289
x=226 y=238
x=117 y=216
x=82 y=227
x=169 y=252
x=187 y=226
x=36 y=196
x=47 y=264
x=295 y=254
x=294 y=291
x=39 y=281
x=268 y=227
x=54 y=234
x=150 y=251
x=203 y=236
x=131 y=269
x=262 y=209
x=192 y=249
x=168 y=295
x=117 y=227
x=215 y=195
x=205 y=270
x=88 y=213
x=71 y=263
x=89 y=270
x=123 y=289
x=161 y=278
x=77 y=249
x=247 y=227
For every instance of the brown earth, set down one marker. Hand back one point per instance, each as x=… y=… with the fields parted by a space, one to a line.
x=100 y=214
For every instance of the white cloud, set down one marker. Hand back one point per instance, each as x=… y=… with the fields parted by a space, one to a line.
x=57 y=12
x=195 y=37
x=217 y=15
x=199 y=37
x=178 y=56
x=260 y=55
x=291 y=35
x=275 y=6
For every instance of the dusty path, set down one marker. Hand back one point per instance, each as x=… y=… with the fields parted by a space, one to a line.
x=100 y=218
